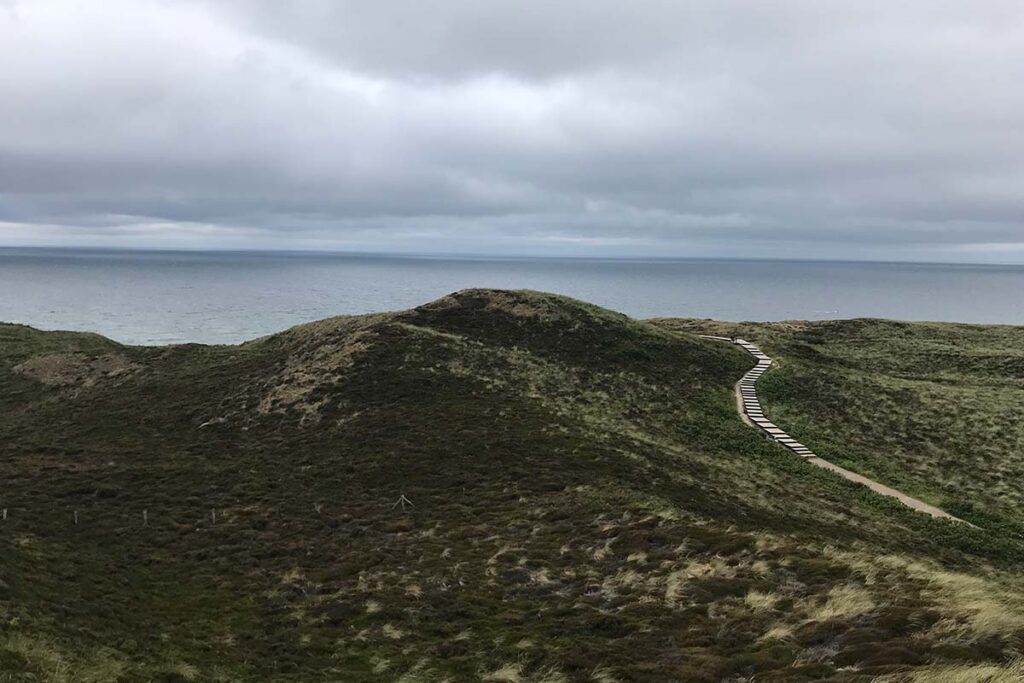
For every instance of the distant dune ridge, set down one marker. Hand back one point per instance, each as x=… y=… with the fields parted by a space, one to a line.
x=510 y=486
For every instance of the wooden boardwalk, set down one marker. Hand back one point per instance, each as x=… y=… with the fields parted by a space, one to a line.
x=753 y=414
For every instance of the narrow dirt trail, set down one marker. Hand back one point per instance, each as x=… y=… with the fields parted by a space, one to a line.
x=749 y=408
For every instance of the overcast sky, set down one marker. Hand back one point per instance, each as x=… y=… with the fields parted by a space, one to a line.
x=866 y=129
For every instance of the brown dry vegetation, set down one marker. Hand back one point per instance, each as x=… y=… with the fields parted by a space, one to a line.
x=585 y=506
x=67 y=369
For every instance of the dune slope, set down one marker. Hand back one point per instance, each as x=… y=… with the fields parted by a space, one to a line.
x=498 y=485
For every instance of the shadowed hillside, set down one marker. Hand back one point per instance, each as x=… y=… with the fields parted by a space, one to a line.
x=500 y=486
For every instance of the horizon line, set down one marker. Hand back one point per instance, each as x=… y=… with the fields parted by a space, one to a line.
x=482 y=256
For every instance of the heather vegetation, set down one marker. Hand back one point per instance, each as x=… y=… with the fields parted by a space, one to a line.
x=496 y=486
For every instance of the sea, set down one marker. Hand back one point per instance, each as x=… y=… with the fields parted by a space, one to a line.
x=222 y=297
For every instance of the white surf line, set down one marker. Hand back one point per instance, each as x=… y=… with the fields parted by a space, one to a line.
x=754 y=414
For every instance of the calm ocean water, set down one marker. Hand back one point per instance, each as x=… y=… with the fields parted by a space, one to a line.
x=141 y=297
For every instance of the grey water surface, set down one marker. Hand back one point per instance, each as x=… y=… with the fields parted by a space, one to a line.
x=162 y=297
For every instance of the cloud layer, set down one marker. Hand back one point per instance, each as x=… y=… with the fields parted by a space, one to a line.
x=795 y=128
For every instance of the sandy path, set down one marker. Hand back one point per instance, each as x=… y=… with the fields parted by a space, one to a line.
x=739 y=407
x=877 y=487
x=749 y=409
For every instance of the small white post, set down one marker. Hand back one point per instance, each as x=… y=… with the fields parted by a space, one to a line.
x=145 y=518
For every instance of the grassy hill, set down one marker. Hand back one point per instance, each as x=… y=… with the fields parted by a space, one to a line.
x=496 y=486
x=934 y=408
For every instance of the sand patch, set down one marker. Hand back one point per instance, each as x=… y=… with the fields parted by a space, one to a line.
x=304 y=373
x=76 y=369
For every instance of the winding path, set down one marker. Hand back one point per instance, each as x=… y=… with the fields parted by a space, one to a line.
x=751 y=412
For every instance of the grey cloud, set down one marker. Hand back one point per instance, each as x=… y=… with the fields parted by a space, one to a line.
x=679 y=128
